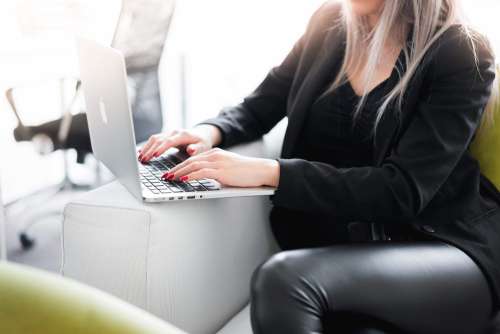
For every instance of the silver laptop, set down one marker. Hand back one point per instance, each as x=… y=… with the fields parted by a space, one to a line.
x=104 y=81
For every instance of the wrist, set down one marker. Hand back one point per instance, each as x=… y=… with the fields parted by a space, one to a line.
x=272 y=172
x=211 y=133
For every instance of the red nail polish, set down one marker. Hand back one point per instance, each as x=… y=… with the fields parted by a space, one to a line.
x=165 y=176
x=190 y=150
x=184 y=178
x=170 y=176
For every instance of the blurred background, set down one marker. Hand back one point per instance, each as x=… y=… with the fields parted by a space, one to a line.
x=186 y=60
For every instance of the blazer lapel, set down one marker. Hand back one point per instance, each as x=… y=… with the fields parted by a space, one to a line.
x=391 y=124
x=385 y=136
x=395 y=121
x=329 y=61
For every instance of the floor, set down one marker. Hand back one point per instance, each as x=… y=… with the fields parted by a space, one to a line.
x=43 y=214
x=47 y=214
x=46 y=253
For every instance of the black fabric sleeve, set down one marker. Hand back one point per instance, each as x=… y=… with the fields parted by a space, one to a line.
x=445 y=120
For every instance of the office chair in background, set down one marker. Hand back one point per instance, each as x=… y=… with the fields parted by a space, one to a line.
x=140 y=35
x=59 y=135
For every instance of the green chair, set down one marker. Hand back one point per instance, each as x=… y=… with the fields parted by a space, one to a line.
x=36 y=302
x=486 y=146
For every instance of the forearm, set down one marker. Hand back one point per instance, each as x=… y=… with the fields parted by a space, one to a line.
x=361 y=193
x=212 y=133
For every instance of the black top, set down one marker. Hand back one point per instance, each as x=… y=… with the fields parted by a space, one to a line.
x=331 y=134
x=423 y=176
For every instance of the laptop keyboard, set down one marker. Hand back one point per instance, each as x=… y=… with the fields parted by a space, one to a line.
x=151 y=173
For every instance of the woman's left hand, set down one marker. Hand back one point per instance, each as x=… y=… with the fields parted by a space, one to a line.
x=228 y=168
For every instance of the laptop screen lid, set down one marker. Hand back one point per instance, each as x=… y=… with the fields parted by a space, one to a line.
x=104 y=82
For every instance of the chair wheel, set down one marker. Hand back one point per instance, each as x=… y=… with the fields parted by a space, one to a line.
x=26 y=241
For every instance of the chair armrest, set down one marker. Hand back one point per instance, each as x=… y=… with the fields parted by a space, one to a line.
x=34 y=301
x=188 y=262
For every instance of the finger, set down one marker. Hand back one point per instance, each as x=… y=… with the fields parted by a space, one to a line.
x=160 y=149
x=179 y=139
x=173 y=139
x=200 y=157
x=185 y=163
x=162 y=145
x=208 y=154
x=146 y=147
x=151 y=152
x=194 y=149
x=190 y=168
x=205 y=173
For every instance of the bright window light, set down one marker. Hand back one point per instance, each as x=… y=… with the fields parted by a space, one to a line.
x=484 y=16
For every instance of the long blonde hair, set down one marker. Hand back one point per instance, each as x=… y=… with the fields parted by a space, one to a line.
x=426 y=20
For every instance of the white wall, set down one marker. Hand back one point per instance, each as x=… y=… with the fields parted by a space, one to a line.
x=485 y=16
x=229 y=46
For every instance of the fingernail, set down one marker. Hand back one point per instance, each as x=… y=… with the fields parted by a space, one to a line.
x=184 y=178
x=170 y=176
x=141 y=156
x=165 y=176
x=190 y=150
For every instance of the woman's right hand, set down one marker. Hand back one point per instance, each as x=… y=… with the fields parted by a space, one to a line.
x=196 y=140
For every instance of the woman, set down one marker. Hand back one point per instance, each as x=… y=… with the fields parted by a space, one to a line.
x=388 y=223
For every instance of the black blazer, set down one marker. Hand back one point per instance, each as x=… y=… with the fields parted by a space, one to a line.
x=423 y=175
